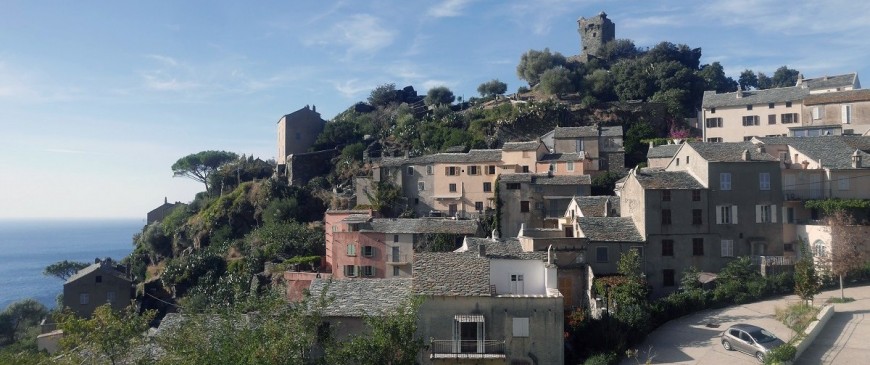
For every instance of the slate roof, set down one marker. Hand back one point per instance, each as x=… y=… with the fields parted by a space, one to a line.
x=575 y=132
x=847 y=96
x=593 y=206
x=729 y=152
x=830 y=82
x=614 y=131
x=362 y=297
x=473 y=156
x=778 y=95
x=568 y=156
x=450 y=274
x=544 y=179
x=858 y=142
x=609 y=229
x=424 y=225
x=663 y=151
x=505 y=248
x=834 y=152
x=650 y=178
x=521 y=146
x=104 y=268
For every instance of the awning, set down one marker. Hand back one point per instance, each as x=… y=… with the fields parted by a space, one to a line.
x=468 y=318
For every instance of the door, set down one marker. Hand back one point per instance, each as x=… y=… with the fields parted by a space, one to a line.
x=746 y=343
x=468 y=337
x=517 y=284
x=395 y=254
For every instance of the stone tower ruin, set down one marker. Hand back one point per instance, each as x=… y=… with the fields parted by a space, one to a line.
x=595 y=32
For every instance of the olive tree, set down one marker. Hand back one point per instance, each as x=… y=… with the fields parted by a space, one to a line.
x=439 y=95
x=492 y=88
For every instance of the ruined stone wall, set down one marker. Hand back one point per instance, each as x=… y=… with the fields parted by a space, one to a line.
x=302 y=167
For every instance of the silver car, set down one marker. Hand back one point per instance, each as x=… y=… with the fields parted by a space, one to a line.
x=749 y=339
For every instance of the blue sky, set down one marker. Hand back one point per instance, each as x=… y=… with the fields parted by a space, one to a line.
x=99 y=98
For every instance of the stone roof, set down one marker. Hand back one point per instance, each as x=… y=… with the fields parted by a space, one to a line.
x=505 y=248
x=777 y=95
x=545 y=179
x=521 y=146
x=103 y=267
x=663 y=151
x=473 y=156
x=575 y=132
x=729 y=151
x=609 y=229
x=847 y=96
x=424 y=225
x=652 y=178
x=831 y=82
x=614 y=131
x=593 y=206
x=833 y=152
x=566 y=156
x=450 y=274
x=361 y=217
x=362 y=297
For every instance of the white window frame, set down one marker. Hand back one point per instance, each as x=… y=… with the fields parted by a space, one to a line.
x=569 y=165
x=518 y=283
x=846 y=114
x=421 y=186
x=428 y=169
x=724 y=181
x=820 y=249
x=727 y=248
x=764 y=181
x=818 y=113
x=84 y=298
x=578 y=145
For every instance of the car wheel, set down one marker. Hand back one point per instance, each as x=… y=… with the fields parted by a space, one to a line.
x=727 y=346
x=759 y=356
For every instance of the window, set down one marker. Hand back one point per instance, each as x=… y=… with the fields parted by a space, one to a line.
x=666 y=217
x=490 y=169
x=770 y=105
x=578 y=145
x=667 y=247
x=788 y=104
x=349 y=270
x=369 y=270
x=697 y=217
x=513 y=186
x=429 y=170
x=668 y=277
x=687 y=160
x=714 y=139
x=351 y=249
x=395 y=238
x=396 y=271
x=525 y=168
x=788 y=247
x=789 y=215
x=478 y=206
x=789 y=118
x=666 y=195
x=750 y=120
x=110 y=296
x=368 y=251
x=451 y=171
x=553 y=167
x=474 y=170
x=421 y=186
x=843 y=183
x=763 y=181
x=697 y=247
x=98 y=278
x=712 y=110
x=714 y=122
x=410 y=170
x=517 y=284
x=84 y=298
x=726 y=214
x=749 y=107
x=524 y=206
x=696 y=195
x=520 y=327
x=487 y=187
x=771 y=119
x=724 y=181
x=818 y=113
x=819 y=249
x=727 y=248
x=452 y=188
x=569 y=165
x=764 y=214
x=678 y=161
x=601 y=254
x=847 y=114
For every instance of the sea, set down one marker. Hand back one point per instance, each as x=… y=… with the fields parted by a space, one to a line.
x=28 y=246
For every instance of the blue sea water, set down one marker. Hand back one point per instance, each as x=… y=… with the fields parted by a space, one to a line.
x=28 y=246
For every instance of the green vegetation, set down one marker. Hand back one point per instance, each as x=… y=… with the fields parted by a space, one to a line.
x=107 y=337
x=198 y=166
x=492 y=88
x=806 y=282
x=797 y=316
x=780 y=354
x=64 y=269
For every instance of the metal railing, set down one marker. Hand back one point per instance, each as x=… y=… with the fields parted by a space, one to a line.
x=803 y=194
x=467 y=347
x=401 y=258
x=773 y=260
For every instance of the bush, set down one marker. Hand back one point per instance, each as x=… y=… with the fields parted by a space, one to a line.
x=781 y=354
x=608 y=358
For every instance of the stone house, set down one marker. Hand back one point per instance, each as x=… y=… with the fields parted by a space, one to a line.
x=157 y=214
x=349 y=302
x=660 y=156
x=847 y=111
x=95 y=285
x=537 y=200
x=601 y=146
x=297 y=132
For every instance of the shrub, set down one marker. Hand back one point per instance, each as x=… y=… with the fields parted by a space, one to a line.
x=608 y=358
x=780 y=354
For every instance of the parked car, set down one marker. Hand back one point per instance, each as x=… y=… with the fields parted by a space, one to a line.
x=749 y=339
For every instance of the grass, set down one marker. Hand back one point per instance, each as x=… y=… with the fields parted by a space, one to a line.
x=840 y=300
x=797 y=316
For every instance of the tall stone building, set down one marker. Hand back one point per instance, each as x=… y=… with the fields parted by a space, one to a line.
x=595 y=32
x=297 y=132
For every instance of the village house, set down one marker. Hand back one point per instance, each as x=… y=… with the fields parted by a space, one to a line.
x=157 y=214
x=297 y=132
x=96 y=285
x=537 y=200
x=350 y=302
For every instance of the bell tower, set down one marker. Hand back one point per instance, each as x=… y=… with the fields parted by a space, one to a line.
x=595 y=32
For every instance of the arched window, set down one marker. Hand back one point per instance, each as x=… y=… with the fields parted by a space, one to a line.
x=819 y=248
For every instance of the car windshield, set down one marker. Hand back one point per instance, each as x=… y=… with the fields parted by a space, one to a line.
x=762 y=336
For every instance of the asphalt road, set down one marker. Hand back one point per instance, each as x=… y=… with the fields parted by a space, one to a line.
x=694 y=339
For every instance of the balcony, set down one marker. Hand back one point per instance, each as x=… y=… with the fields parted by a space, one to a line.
x=803 y=194
x=401 y=259
x=470 y=349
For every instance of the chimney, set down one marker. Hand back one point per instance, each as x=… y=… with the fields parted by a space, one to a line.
x=856 y=160
x=165 y=200
x=551 y=277
x=800 y=79
x=745 y=155
x=314 y=108
x=739 y=92
x=481 y=250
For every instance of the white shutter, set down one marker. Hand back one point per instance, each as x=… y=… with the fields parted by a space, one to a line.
x=733 y=214
x=773 y=214
x=816 y=113
x=758 y=213
x=718 y=214
x=784 y=215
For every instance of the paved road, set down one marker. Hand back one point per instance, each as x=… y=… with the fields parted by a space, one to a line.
x=694 y=339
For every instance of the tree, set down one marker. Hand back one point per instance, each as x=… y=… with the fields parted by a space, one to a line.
x=764 y=81
x=556 y=81
x=806 y=281
x=439 y=95
x=107 y=335
x=715 y=79
x=748 y=80
x=619 y=49
x=199 y=166
x=392 y=340
x=691 y=279
x=385 y=198
x=155 y=240
x=848 y=247
x=492 y=88
x=19 y=319
x=64 y=269
x=533 y=64
x=383 y=95
x=784 y=77
x=630 y=296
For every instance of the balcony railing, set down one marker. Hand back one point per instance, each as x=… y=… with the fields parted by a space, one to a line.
x=397 y=259
x=452 y=349
x=773 y=260
x=803 y=194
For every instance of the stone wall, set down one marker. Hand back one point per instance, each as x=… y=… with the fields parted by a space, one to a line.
x=302 y=167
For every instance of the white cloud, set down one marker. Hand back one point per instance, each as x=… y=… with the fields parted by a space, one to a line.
x=165 y=60
x=448 y=8
x=358 y=34
x=352 y=87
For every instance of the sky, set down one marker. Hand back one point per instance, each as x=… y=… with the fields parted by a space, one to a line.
x=99 y=98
